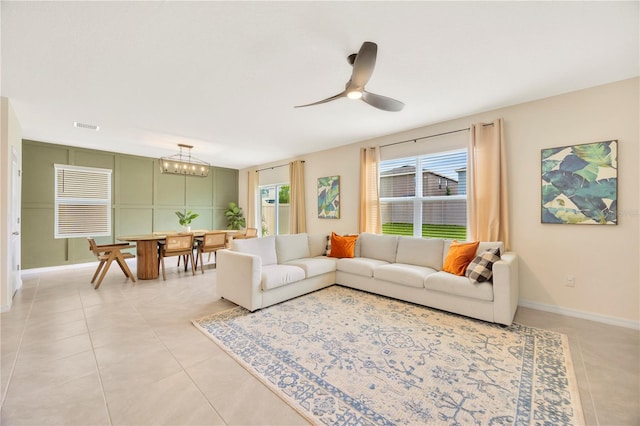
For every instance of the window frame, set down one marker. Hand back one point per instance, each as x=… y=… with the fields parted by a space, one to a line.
x=419 y=199
x=99 y=194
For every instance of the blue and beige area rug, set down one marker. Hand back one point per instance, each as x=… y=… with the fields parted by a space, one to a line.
x=345 y=357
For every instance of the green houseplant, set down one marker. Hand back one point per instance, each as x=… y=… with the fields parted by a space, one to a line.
x=235 y=217
x=185 y=219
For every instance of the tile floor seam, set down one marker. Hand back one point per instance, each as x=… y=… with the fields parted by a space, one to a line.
x=179 y=363
x=15 y=360
x=95 y=360
x=586 y=375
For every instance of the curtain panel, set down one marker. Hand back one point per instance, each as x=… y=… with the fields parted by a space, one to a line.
x=252 y=203
x=370 y=220
x=487 y=200
x=297 y=218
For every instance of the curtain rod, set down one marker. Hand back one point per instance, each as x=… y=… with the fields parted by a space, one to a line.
x=432 y=136
x=274 y=167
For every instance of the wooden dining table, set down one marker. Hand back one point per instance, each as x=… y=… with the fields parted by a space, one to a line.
x=147 y=251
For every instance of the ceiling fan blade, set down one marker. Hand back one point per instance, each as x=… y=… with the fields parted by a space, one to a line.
x=382 y=102
x=364 y=64
x=332 y=98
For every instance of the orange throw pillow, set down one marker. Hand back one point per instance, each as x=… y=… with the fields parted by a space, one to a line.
x=459 y=257
x=342 y=246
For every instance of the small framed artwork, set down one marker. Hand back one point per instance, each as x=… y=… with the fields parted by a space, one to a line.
x=329 y=197
x=580 y=184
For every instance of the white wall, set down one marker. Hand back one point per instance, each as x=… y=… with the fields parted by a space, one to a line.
x=10 y=138
x=603 y=259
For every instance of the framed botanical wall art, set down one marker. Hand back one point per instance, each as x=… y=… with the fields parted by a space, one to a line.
x=329 y=197
x=580 y=184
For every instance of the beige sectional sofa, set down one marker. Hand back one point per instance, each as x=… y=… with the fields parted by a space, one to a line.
x=260 y=272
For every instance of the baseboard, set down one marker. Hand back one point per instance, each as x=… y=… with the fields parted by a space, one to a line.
x=35 y=271
x=619 y=322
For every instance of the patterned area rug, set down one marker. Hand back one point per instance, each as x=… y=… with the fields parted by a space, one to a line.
x=346 y=357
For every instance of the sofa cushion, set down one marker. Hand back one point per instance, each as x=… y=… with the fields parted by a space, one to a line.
x=359 y=265
x=459 y=256
x=486 y=245
x=264 y=247
x=292 y=246
x=314 y=266
x=274 y=276
x=381 y=247
x=460 y=286
x=317 y=245
x=409 y=275
x=420 y=251
x=342 y=246
x=481 y=268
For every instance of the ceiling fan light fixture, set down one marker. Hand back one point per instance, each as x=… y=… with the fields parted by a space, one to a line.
x=354 y=94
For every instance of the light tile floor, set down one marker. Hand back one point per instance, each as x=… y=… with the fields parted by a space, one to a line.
x=127 y=354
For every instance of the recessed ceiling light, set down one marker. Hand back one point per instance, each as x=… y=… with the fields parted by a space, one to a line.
x=86 y=126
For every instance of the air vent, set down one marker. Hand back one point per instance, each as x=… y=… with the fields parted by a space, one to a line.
x=86 y=126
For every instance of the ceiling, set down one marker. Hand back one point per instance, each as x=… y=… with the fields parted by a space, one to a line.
x=224 y=76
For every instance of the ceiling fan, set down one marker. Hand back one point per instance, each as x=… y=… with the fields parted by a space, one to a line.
x=363 y=64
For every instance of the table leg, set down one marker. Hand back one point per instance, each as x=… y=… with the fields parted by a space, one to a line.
x=147 y=263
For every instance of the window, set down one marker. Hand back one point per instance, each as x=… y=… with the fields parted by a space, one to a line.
x=274 y=209
x=82 y=201
x=430 y=203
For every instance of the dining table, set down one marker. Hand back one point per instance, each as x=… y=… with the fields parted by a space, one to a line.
x=147 y=250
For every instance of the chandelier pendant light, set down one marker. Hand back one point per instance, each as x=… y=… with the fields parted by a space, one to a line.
x=184 y=164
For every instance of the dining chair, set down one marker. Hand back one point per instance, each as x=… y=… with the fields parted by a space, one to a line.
x=177 y=245
x=106 y=254
x=210 y=242
x=249 y=233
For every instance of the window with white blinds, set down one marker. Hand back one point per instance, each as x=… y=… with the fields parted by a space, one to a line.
x=82 y=201
x=431 y=202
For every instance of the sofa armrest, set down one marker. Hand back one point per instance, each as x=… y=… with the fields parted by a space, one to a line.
x=506 y=288
x=238 y=278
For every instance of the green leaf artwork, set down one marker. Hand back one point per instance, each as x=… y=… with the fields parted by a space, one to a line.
x=580 y=184
x=329 y=197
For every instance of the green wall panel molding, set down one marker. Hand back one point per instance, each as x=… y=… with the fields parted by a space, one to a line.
x=144 y=200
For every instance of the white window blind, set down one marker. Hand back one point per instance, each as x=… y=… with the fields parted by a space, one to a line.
x=429 y=203
x=82 y=201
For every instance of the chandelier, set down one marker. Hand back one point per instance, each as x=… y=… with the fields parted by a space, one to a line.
x=184 y=164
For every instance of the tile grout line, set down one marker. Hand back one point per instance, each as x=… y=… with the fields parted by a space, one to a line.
x=178 y=362
x=586 y=376
x=15 y=361
x=95 y=360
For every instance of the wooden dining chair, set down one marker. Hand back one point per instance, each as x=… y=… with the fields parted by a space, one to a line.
x=249 y=233
x=106 y=254
x=177 y=245
x=210 y=242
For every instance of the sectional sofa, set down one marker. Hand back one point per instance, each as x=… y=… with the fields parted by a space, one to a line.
x=260 y=272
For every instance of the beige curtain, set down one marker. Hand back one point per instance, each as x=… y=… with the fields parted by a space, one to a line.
x=252 y=196
x=297 y=218
x=487 y=203
x=370 y=220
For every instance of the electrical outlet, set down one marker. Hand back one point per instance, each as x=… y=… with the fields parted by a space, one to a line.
x=570 y=281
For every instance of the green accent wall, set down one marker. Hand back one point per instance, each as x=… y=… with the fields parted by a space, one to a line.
x=143 y=200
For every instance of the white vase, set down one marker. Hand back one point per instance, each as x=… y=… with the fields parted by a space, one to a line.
x=186 y=228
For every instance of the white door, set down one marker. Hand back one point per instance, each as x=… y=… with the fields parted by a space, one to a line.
x=15 y=282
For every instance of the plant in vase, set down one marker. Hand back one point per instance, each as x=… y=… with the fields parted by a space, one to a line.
x=235 y=217
x=185 y=219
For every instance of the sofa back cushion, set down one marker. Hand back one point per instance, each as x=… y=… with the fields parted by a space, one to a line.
x=290 y=247
x=381 y=247
x=317 y=245
x=264 y=247
x=421 y=252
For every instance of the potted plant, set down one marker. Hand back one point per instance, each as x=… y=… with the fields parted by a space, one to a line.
x=235 y=217
x=185 y=219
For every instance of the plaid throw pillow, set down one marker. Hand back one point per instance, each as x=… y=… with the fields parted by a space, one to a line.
x=327 y=249
x=481 y=268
